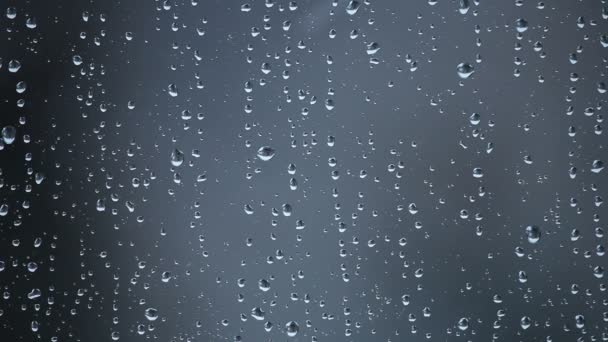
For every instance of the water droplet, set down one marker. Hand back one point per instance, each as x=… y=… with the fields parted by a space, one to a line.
x=248 y=209
x=14 y=65
x=32 y=266
x=579 y=321
x=465 y=70
x=101 y=205
x=9 y=134
x=11 y=12
x=30 y=23
x=77 y=60
x=151 y=314
x=463 y=324
x=533 y=233
x=266 y=153
x=287 y=209
x=292 y=328
x=597 y=166
x=264 y=285
x=35 y=293
x=463 y=6
x=257 y=313
x=353 y=7
x=172 y=90
x=521 y=25
x=177 y=157
x=477 y=172
x=372 y=48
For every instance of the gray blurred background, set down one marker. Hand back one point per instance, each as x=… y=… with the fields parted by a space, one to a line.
x=400 y=240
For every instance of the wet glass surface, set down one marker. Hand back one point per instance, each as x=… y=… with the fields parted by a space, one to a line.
x=270 y=170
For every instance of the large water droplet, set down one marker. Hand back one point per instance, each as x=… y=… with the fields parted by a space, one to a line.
x=533 y=233
x=266 y=153
x=372 y=48
x=292 y=328
x=597 y=166
x=151 y=314
x=352 y=7
x=8 y=134
x=172 y=90
x=177 y=157
x=465 y=70
x=521 y=25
